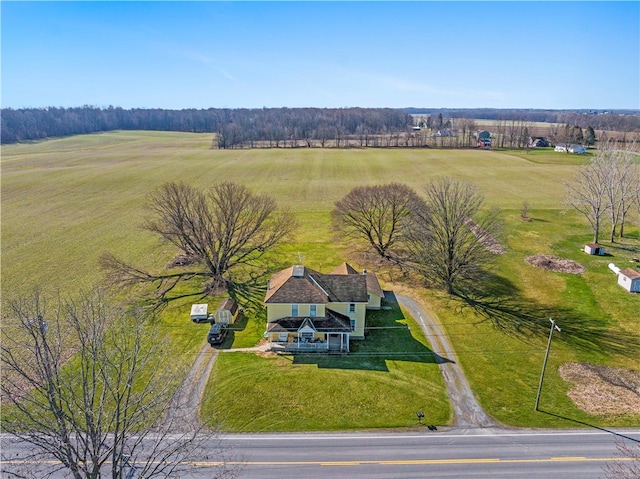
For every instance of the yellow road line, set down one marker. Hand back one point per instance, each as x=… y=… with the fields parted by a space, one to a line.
x=412 y=462
x=408 y=462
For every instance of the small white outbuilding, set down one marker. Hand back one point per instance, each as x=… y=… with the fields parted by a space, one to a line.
x=629 y=279
x=594 y=249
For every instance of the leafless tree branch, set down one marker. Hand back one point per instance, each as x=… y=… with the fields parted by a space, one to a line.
x=86 y=385
x=217 y=230
x=376 y=214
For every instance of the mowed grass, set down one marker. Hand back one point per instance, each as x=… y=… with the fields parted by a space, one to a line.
x=382 y=383
x=501 y=340
x=66 y=201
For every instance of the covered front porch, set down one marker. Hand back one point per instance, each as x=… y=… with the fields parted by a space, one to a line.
x=307 y=335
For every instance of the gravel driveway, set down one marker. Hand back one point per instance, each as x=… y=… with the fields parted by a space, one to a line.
x=467 y=411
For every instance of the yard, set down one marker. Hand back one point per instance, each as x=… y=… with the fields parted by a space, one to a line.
x=66 y=201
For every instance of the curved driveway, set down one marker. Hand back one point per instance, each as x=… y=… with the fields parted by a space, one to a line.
x=466 y=409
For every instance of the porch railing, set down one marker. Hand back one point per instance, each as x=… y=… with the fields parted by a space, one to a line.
x=282 y=346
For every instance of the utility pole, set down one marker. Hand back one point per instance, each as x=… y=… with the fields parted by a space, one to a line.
x=546 y=356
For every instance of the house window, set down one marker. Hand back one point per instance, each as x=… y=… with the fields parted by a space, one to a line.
x=313 y=310
x=353 y=324
x=352 y=307
x=294 y=310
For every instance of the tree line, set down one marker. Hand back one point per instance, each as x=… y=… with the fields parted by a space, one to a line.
x=443 y=234
x=234 y=127
x=310 y=127
x=616 y=120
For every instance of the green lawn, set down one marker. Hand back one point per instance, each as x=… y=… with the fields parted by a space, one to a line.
x=66 y=201
x=501 y=340
x=382 y=383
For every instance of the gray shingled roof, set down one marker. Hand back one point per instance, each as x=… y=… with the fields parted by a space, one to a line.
x=332 y=322
x=373 y=285
x=313 y=287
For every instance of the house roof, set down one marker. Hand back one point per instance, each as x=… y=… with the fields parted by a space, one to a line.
x=373 y=285
x=299 y=284
x=630 y=273
x=345 y=268
x=331 y=322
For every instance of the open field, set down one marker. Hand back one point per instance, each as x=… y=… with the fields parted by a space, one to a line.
x=66 y=201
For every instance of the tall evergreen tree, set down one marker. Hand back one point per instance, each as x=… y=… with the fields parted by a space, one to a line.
x=590 y=136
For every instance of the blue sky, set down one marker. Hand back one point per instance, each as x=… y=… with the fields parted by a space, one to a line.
x=556 y=55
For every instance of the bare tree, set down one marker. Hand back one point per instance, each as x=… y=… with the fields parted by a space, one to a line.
x=587 y=192
x=448 y=239
x=376 y=214
x=86 y=385
x=467 y=127
x=217 y=230
x=627 y=463
x=623 y=187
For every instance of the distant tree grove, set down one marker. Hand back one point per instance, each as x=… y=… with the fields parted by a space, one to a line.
x=312 y=127
x=271 y=127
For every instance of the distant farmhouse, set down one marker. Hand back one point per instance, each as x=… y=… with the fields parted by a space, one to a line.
x=538 y=142
x=312 y=311
x=483 y=139
x=445 y=133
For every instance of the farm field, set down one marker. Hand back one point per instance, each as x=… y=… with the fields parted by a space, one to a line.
x=66 y=201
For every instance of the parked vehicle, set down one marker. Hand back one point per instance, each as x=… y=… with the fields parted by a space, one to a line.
x=217 y=334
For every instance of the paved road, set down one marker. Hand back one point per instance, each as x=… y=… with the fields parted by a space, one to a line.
x=460 y=453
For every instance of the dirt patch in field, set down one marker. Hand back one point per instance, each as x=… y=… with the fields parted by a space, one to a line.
x=486 y=239
x=555 y=263
x=602 y=390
